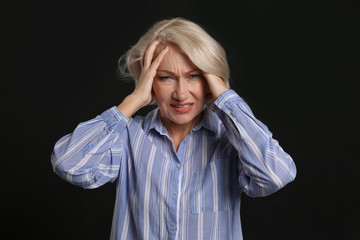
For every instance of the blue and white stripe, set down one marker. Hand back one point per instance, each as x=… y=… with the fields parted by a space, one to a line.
x=193 y=193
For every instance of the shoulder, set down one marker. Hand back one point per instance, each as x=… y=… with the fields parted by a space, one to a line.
x=146 y=122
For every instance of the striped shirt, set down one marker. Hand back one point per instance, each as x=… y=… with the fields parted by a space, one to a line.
x=192 y=193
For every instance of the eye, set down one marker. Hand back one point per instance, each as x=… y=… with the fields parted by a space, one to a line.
x=164 y=77
x=194 y=76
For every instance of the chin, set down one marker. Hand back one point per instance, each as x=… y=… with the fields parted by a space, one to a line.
x=183 y=120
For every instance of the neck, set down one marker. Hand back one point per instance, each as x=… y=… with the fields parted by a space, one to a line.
x=178 y=132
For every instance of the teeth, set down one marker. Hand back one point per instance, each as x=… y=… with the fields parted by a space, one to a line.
x=182 y=107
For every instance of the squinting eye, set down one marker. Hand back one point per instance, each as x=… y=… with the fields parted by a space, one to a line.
x=194 y=76
x=164 y=78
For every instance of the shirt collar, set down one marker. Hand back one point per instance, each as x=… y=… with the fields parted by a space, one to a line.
x=209 y=121
x=153 y=121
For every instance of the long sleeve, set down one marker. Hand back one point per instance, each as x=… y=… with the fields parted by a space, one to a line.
x=264 y=167
x=90 y=156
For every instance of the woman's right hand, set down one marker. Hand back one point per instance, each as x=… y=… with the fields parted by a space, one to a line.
x=143 y=89
x=142 y=95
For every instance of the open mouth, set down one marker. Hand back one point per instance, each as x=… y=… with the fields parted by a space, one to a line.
x=181 y=106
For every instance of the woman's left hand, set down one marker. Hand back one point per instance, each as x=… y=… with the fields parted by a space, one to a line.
x=216 y=85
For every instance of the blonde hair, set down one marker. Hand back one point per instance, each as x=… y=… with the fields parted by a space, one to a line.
x=204 y=52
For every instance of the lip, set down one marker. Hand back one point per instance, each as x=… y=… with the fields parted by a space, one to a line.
x=182 y=107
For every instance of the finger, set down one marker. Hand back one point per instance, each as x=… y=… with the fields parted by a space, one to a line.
x=156 y=63
x=216 y=85
x=149 y=53
x=211 y=78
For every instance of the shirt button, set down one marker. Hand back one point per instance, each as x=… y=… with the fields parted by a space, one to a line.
x=175 y=193
x=173 y=228
x=178 y=165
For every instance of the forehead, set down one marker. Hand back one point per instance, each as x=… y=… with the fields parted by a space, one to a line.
x=176 y=61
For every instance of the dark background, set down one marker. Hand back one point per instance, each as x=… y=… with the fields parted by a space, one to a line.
x=296 y=63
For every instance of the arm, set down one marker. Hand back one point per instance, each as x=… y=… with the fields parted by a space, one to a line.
x=142 y=94
x=264 y=166
x=91 y=155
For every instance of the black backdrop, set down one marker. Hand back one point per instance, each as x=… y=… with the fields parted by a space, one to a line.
x=295 y=62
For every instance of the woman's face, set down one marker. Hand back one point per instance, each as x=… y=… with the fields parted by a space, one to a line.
x=179 y=89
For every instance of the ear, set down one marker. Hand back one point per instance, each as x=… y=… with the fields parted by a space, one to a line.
x=153 y=100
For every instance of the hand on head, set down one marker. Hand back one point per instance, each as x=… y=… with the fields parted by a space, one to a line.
x=151 y=62
x=143 y=93
x=143 y=89
x=216 y=86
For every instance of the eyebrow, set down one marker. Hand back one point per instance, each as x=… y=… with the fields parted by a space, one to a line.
x=188 y=72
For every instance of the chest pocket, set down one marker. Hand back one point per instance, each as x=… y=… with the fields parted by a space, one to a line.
x=213 y=188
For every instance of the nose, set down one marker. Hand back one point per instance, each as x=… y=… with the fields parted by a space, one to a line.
x=180 y=91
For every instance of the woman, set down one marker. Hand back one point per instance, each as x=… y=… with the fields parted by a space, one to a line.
x=181 y=169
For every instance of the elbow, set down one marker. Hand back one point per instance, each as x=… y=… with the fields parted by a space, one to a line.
x=281 y=175
x=85 y=177
x=68 y=171
x=272 y=187
x=283 y=179
x=56 y=166
x=60 y=168
x=290 y=174
x=278 y=172
x=59 y=165
x=262 y=187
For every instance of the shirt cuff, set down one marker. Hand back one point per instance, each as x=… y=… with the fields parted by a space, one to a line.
x=115 y=119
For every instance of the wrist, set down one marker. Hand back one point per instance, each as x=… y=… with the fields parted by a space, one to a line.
x=130 y=105
x=227 y=98
x=219 y=92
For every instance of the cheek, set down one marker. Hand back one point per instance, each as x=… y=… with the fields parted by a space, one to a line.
x=200 y=89
x=160 y=93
